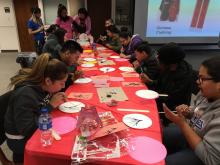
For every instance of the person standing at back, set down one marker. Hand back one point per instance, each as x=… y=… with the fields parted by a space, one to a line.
x=82 y=22
x=64 y=21
x=36 y=28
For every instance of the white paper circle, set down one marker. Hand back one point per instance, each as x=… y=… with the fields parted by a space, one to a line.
x=83 y=80
x=87 y=65
x=71 y=107
x=147 y=94
x=114 y=56
x=137 y=121
x=107 y=69
x=89 y=59
x=126 y=69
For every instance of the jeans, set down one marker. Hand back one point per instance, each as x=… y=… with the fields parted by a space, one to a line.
x=178 y=151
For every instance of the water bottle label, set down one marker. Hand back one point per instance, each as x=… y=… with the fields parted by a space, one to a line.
x=45 y=126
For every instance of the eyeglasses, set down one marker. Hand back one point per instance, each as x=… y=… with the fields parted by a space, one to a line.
x=202 y=79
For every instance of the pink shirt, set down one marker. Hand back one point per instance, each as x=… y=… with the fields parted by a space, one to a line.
x=67 y=26
x=87 y=22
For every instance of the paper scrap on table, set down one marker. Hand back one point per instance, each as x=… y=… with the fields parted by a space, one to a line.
x=88 y=69
x=100 y=77
x=116 y=79
x=129 y=74
x=111 y=93
x=107 y=62
x=132 y=84
x=107 y=130
x=83 y=96
x=105 y=55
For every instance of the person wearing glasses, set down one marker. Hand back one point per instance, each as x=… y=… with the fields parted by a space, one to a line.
x=197 y=127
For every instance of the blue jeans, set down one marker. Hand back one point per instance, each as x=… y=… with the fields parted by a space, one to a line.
x=178 y=151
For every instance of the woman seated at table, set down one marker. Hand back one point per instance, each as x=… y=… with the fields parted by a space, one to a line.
x=82 y=22
x=54 y=42
x=194 y=139
x=175 y=78
x=64 y=21
x=33 y=89
x=70 y=54
x=129 y=43
x=114 y=42
x=147 y=63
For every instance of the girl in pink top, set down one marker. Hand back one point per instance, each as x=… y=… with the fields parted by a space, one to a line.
x=82 y=22
x=64 y=21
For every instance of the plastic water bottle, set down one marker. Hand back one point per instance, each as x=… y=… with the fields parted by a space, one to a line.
x=45 y=125
x=94 y=49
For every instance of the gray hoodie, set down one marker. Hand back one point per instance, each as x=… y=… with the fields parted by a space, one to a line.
x=206 y=123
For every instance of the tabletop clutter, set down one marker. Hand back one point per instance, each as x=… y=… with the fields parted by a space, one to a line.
x=100 y=135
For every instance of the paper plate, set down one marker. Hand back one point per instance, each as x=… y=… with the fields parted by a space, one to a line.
x=146 y=150
x=63 y=125
x=107 y=69
x=71 y=107
x=83 y=80
x=87 y=65
x=137 y=121
x=147 y=94
x=114 y=56
x=100 y=48
x=89 y=59
x=126 y=69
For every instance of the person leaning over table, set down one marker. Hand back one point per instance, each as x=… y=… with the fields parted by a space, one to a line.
x=147 y=63
x=114 y=42
x=36 y=28
x=33 y=89
x=175 y=78
x=129 y=42
x=82 y=22
x=54 y=42
x=194 y=139
x=103 y=38
x=70 y=54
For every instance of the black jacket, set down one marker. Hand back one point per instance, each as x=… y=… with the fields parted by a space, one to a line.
x=52 y=46
x=177 y=84
x=24 y=107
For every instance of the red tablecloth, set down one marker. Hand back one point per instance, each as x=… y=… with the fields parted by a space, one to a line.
x=60 y=151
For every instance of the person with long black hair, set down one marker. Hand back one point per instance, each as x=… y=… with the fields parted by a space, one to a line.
x=64 y=21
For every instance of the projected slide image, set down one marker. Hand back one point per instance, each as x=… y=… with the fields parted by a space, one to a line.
x=182 y=18
x=199 y=15
x=169 y=10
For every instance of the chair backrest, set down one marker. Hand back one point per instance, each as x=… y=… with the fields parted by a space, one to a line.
x=4 y=100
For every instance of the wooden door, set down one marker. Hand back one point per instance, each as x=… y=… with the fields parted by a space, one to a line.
x=99 y=11
x=23 y=13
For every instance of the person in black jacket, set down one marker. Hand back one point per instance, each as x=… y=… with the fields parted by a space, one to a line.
x=147 y=63
x=175 y=78
x=54 y=42
x=69 y=54
x=33 y=89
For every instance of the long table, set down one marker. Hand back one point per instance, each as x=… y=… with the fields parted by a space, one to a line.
x=59 y=153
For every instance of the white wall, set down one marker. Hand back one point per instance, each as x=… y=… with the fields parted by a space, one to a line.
x=8 y=29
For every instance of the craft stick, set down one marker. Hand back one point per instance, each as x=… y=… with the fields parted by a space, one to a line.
x=132 y=110
x=163 y=95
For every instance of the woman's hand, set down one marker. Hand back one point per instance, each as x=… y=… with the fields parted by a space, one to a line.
x=57 y=99
x=145 y=78
x=123 y=55
x=77 y=74
x=136 y=64
x=178 y=118
x=184 y=110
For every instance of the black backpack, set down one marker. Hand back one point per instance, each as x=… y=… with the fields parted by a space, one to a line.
x=4 y=100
